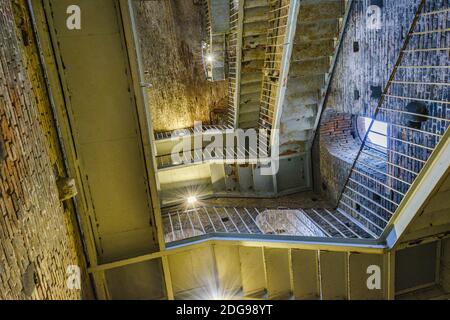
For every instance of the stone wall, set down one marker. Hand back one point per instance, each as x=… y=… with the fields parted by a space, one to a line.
x=170 y=36
x=39 y=236
x=339 y=146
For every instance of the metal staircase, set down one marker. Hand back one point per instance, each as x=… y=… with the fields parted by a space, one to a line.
x=382 y=178
x=319 y=26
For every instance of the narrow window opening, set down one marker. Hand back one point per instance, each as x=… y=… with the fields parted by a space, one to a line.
x=377 y=135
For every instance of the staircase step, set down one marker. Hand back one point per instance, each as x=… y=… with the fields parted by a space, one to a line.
x=297 y=85
x=255 y=28
x=302 y=98
x=256 y=14
x=248 y=98
x=250 y=88
x=313 y=10
x=295 y=140
x=255 y=3
x=252 y=66
x=292 y=111
x=296 y=123
x=278 y=274
x=255 y=41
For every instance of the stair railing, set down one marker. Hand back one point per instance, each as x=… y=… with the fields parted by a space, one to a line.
x=234 y=55
x=280 y=37
x=414 y=110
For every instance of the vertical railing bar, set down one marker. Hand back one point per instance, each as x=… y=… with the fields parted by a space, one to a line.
x=210 y=220
x=399 y=153
x=389 y=163
x=414 y=129
x=232 y=221
x=342 y=224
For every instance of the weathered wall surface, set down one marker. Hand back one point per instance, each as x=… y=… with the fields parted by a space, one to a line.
x=435 y=214
x=359 y=72
x=339 y=146
x=304 y=200
x=38 y=235
x=366 y=60
x=170 y=37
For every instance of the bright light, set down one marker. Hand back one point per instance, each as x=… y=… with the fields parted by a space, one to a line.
x=209 y=58
x=378 y=133
x=191 y=199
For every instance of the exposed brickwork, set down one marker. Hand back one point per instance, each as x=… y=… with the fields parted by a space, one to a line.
x=339 y=147
x=38 y=235
x=170 y=37
x=372 y=64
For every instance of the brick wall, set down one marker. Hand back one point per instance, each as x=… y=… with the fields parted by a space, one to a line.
x=339 y=145
x=363 y=68
x=39 y=237
x=365 y=63
x=359 y=73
